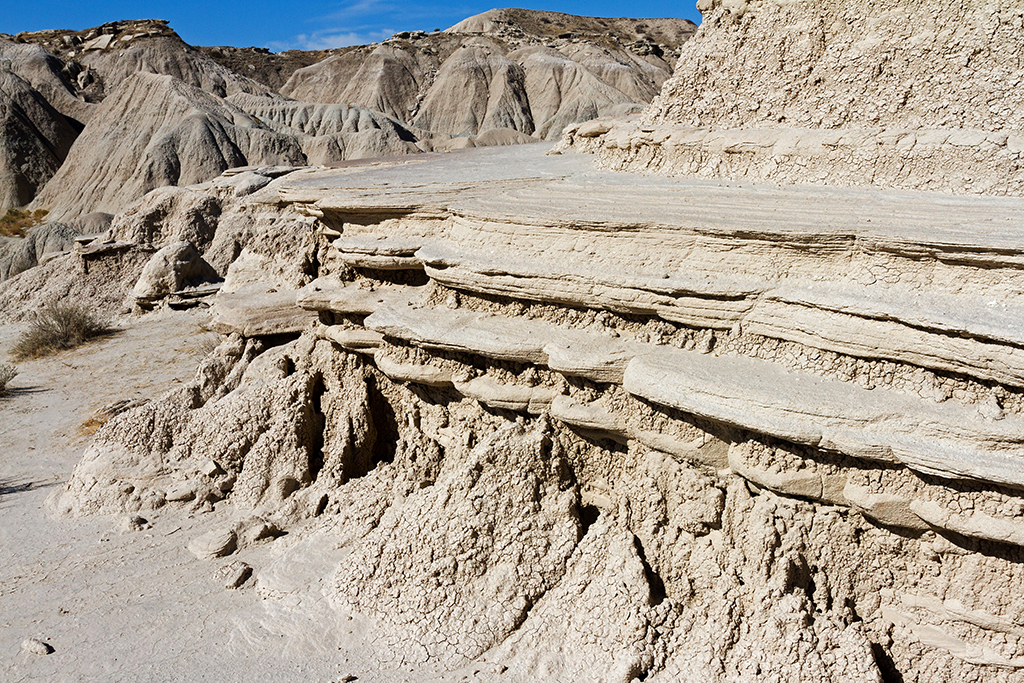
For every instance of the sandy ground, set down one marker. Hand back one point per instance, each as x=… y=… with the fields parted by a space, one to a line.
x=120 y=605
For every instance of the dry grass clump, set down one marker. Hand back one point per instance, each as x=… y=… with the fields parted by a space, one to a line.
x=7 y=373
x=15 y=222
x=91 y=425
x=57 y=327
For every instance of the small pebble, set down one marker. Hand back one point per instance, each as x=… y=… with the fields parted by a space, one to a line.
x=34 y=646
x=235 y=574
x=217 y=543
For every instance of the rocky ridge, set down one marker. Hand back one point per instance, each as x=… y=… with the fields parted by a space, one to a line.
x=415 y=92
x=502 y=403
x=709 y=448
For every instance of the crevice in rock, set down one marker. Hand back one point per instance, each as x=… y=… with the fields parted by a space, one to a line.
x=658 y=592
x=385 y=423
x=886 y=666
x=316 y=448
x=588 y=516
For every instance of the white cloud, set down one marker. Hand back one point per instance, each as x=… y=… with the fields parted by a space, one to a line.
x=329 y=39
x=361 y=8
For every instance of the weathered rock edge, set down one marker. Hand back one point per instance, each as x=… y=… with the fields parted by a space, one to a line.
x=629 y=422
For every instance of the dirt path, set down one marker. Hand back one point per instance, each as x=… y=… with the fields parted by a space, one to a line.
x=116 y=605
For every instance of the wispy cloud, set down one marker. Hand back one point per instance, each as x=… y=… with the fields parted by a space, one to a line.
x=328 y=39
x=361 y=8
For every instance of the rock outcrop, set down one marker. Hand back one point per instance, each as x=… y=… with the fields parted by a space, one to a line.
x=186 y=136
x=415 y=92
x=36 y=140
x=531 y=412
x=916 y=96
x=461 y=82
x=559 y=423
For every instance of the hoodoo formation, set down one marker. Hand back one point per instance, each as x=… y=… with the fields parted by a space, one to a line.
x=752 y=410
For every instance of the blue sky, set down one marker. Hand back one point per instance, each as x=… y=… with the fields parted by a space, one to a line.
x=298 y=24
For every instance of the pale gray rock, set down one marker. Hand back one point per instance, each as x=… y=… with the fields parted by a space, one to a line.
x=126 y=54
x=167 y=215
x=235 y=574
x=49 y=76
x=640 y=78
x=188 y=136
x=458 y=533
x=331 y=133
x=214 y=544
x=18 y=254
x=94 y=223
x=175 y=267
x=562 y=91
x=388 y=80
x=945 y=439
x=477 y=88
x=36 y=646
x=256 y=310
x=745 y=102
x=36 y=140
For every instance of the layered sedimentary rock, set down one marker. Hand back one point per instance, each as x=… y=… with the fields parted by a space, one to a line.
x=189 y=136
x=706 y=432
x=48 y=75
x=702 y=431
x=477 y=85
x=912 y=95
x=36 y=140
x=486 y=72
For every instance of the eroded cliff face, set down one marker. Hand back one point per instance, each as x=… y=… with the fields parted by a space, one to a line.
x=920 y=95
x=659 y=431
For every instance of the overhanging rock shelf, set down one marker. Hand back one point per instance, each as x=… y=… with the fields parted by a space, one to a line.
x=864 y=330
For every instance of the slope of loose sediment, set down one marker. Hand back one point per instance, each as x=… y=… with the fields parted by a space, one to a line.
x=640 y=77
x=19 y=254
x=389 y=80
x=330 y=133
x=165 y=54
x=477 y=88
x=154 y=131
x=561 y=91
x=411 y=76
x=46 y=74
x=35 y=137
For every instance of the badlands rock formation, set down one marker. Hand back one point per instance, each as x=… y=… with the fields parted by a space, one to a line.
x=737 y=434
x=914 y=95
x=476 y=75
x=542 y=421
x=416 y=92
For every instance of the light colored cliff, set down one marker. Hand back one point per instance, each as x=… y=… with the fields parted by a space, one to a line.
x=681 y=424
x=920 y=95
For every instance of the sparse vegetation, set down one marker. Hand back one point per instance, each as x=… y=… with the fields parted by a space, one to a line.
x=91 y=425
x=15 y=222
x=57 y=327
x=7 y=373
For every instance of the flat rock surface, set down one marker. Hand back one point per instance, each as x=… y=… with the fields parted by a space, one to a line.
x=523 y=182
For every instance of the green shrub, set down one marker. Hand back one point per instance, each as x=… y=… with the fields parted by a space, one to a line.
x=7 y=373
x=57 y=327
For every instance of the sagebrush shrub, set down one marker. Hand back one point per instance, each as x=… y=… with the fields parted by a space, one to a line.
x=57 y=327
x=7 y=373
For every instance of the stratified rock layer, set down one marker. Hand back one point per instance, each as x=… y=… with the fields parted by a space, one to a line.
x=919 y=95
x=702 y=432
